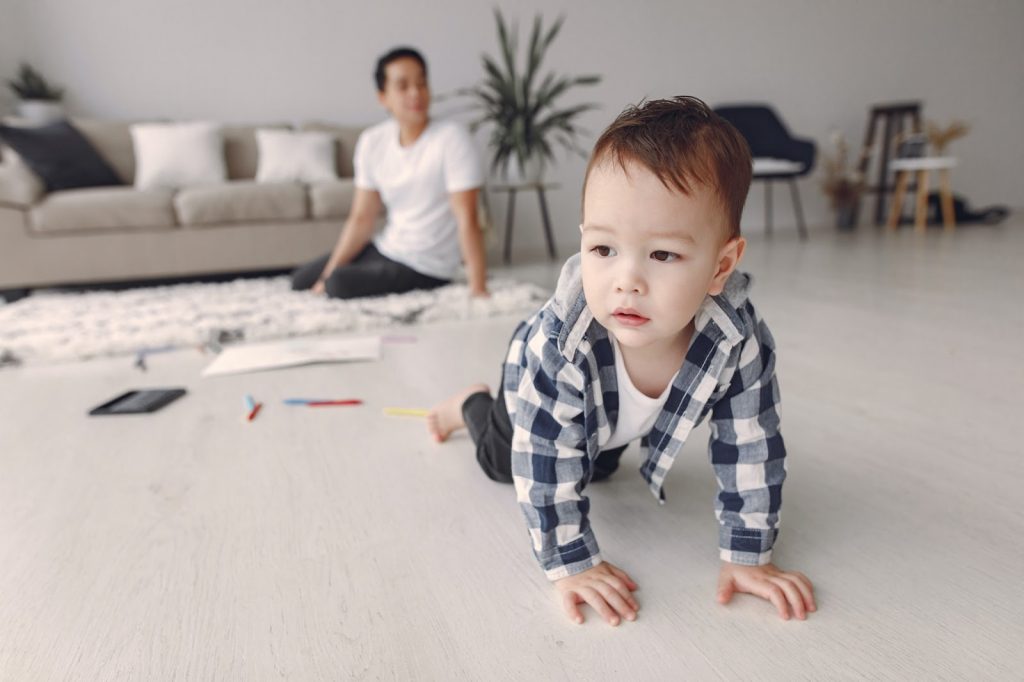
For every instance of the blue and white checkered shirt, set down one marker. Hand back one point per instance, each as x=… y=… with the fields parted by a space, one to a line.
x=560 y=389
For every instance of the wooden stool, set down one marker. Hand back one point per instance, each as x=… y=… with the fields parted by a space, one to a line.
x=922 y=166
x=893 y=117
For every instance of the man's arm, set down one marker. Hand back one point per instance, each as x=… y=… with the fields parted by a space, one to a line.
x=471 y=239
x=357 y=231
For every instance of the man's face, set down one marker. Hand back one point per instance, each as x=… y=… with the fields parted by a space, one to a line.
x=406 y=93
x=650 y=254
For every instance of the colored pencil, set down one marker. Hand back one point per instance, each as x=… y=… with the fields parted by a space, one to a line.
x=405 y=412
x=329 y=403
x=255 y=411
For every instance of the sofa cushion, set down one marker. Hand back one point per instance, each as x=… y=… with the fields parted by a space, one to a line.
x=19 y=186
x=296 y=156
x=240 y=150
x=178 y=154
x=240 y=201
x=346 y=137
x=113 y=141
x=103 y=208
x=332 y=198
x=60 y=155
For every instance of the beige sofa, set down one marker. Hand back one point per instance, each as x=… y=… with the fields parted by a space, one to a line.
x=109 y=234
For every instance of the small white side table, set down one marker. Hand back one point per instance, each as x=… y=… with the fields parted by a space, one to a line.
x=922 y=166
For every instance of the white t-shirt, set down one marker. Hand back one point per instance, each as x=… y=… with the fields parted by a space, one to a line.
x=414 y=183
x=637 y=412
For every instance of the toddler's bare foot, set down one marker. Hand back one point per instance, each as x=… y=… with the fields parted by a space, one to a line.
x=446 y=417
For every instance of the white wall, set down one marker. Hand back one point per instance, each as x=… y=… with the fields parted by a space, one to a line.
x=10 y=49
x=820 y=62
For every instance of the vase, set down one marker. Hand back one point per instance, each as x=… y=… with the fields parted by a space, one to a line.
x=40 y=112
x=530 y=172
x=846 y=217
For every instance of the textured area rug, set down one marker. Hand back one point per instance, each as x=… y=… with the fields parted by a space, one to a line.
x=50 y=327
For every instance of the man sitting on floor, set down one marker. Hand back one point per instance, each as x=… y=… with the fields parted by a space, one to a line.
x=428 y=175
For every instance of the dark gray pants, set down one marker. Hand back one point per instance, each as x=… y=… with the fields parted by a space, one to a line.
x=491 y=430
x=369 y=274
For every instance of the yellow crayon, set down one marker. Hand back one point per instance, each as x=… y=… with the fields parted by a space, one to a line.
x=405 y=412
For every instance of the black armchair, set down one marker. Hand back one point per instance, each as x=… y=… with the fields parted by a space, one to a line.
x=777 y=154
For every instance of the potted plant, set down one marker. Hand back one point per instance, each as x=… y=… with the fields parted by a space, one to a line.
x=521 y=107
x=843 y=186
x=39 y=101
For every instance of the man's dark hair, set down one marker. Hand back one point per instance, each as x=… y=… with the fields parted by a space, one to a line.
x=398 y=53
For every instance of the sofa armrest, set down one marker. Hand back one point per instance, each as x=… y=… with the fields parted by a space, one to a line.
x=19 y=186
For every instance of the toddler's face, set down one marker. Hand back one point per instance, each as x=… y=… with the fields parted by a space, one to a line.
x=650 y=254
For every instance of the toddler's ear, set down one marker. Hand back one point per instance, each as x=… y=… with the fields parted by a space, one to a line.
x=729 y=257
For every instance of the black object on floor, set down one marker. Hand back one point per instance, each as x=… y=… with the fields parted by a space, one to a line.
x=139 y=402
x=963 y=213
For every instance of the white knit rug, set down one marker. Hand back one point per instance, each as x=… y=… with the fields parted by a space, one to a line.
x=50 y=327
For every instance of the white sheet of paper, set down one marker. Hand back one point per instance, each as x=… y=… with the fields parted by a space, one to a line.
x=292 y=352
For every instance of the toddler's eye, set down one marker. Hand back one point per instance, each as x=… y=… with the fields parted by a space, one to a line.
x=603 y=251
x=664 y=256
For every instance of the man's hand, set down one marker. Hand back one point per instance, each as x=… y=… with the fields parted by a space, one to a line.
x=785 y=589
x=606 y=588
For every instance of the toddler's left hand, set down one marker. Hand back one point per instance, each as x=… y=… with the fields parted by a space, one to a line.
x=785 y=589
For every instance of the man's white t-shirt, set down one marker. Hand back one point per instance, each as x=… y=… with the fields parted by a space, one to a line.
x=414 y=183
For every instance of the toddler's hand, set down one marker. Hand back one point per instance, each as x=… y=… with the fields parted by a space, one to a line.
x=606 y=588
x=785 y=589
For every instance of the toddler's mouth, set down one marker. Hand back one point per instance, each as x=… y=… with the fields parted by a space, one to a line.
x=629 y=317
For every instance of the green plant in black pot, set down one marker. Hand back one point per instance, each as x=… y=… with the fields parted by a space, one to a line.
x=521 y=107
x=31 y=85
x=39 y=100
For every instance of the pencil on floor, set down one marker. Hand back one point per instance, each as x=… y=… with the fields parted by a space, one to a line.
x=405 y=412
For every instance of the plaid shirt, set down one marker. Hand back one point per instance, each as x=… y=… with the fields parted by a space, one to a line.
x=560 y=388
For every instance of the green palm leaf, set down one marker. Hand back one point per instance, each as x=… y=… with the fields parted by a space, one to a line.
x=524 y=118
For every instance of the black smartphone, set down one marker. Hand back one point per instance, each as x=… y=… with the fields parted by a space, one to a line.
x=139 y=401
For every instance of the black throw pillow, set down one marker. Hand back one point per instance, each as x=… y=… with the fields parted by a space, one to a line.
x=60 y=155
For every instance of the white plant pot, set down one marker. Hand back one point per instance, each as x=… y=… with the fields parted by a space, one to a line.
x=530 y=172
x=40 y=112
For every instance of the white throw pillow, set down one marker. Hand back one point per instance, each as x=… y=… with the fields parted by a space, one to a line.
x=295 y=156
x=178 y=154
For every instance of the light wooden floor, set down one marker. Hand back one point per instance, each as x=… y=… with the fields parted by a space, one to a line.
x=338 y=544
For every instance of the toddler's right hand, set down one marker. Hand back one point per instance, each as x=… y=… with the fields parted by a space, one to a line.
x=606 y=588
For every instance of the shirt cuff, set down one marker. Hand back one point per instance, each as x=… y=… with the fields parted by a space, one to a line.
x=578 y=555
x=746 y=546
